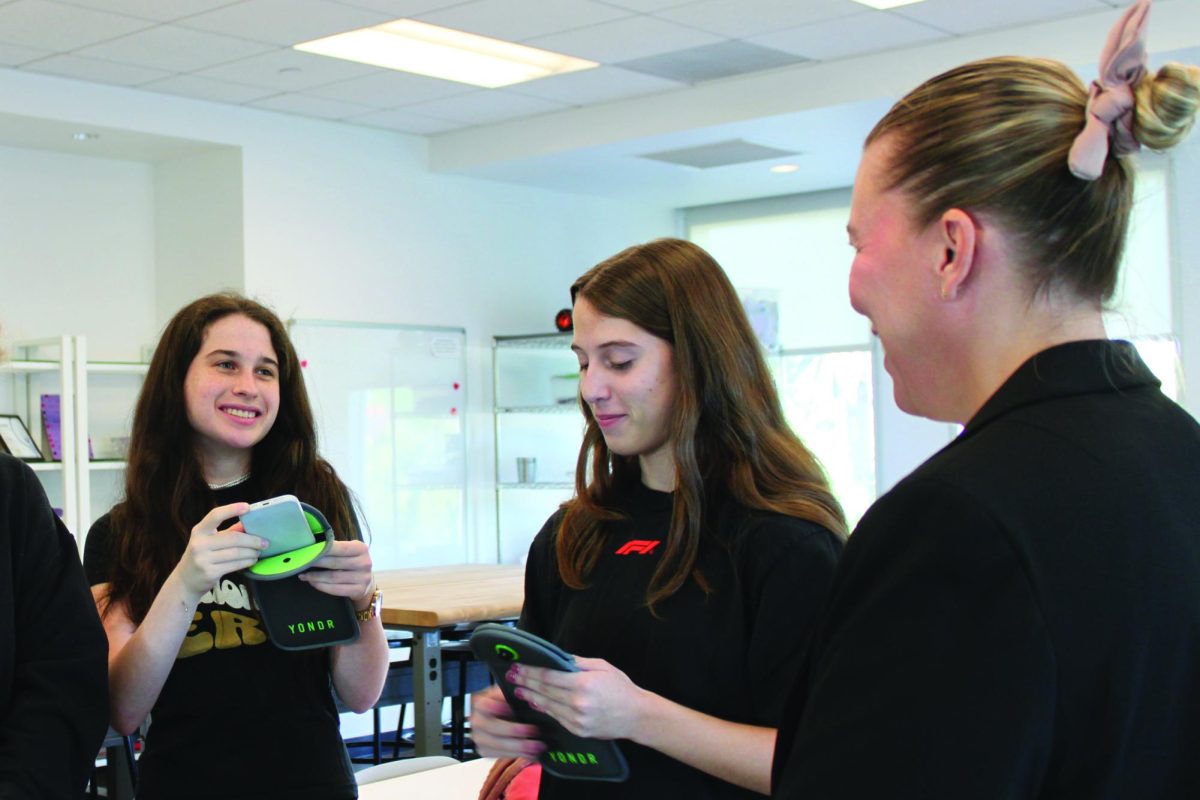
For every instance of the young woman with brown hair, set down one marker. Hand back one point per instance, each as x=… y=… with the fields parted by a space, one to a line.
x=1020 y=616
x=686 y=572
x=222 y=420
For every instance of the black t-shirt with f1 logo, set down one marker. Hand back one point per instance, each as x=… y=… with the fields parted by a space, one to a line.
x=732 y=653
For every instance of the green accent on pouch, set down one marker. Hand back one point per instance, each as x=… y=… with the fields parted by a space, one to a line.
x=289 y=561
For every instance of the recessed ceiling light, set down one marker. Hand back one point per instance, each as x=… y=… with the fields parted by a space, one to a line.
x=785 y=168
x=411 y=46
x=884 y=4
x=84 y=136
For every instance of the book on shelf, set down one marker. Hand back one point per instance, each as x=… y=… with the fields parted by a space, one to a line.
x=52 y=426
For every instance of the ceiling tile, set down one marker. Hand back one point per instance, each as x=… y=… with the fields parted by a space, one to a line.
x=405 y=122
x=53 y=26
x=284 y=22
x=625 y=39
x=741 y=18
x=208 y=89
x=647 y=6
x=390 y=89
x=95 y=70
x=517 y=20
x=308 y=106
x=711 y=61
x=598 y=85
x=396 y=9
x=869 y=32
x=157 y=10
x=288 y=70
x=478 y=108
x=175 y=49
x=11 y=55
x=957 y=17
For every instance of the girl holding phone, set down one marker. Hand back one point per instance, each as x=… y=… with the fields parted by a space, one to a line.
x=688 y=569
x=223 y=420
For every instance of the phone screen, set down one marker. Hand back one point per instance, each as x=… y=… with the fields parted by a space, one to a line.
x=281 y=522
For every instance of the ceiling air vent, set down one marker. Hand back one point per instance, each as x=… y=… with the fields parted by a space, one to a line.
x=712 y=61
x=719 y=154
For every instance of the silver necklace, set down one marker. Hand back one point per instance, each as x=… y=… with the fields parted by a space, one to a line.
x=227 y=484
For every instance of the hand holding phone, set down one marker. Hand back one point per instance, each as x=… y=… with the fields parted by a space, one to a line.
x=281 y=521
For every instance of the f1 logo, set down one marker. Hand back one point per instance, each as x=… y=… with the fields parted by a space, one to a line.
x=640 y=546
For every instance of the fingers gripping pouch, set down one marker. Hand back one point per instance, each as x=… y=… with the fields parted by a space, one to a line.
x=566 y=755
x=296 y=615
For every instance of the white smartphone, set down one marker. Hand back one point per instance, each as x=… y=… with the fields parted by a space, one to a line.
x=281 y=522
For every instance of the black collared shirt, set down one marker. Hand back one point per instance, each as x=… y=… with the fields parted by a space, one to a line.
x=1020 y=617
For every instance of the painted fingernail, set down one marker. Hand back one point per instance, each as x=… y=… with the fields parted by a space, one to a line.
x=520 y=693
x=263 y=544
x=511 y=675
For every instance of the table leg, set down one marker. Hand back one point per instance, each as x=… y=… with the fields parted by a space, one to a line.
x=427 y=693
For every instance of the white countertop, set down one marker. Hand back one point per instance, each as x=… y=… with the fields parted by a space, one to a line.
x=458 y=782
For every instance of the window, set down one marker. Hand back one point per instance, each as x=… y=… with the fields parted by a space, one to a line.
x=828 y=400
x=794 y=251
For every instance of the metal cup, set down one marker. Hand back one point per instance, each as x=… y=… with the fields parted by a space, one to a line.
x=526 y=470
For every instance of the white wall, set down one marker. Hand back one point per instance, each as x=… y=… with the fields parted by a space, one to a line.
x=1185 y=256
x=340 y=223
x=76 y=249
x=199 y=243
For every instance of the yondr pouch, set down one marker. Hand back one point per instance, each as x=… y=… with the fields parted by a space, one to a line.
x=295 y=615
x=566 y=755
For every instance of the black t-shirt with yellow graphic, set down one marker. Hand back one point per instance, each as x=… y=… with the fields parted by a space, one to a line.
x=237 y=716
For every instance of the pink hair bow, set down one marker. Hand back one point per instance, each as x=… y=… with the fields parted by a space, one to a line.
x=1111 y=100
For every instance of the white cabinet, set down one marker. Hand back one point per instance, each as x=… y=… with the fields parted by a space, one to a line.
x=105 y=395
x=95 y=402
x=42 y=367
x=539 y=429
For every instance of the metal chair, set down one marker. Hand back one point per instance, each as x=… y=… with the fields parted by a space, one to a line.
x=120 y=770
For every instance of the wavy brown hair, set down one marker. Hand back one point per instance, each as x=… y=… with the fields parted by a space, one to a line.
x=729 y=434
x=992 y=137
x=165 y=491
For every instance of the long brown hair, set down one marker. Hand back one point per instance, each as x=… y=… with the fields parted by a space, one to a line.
x=992 y=137
x=165 y=491
x=729 y=434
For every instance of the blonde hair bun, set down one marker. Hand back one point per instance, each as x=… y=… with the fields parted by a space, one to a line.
x=1166 y=106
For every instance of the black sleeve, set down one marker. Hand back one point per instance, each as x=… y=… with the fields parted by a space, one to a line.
x=542 y=583
x=789 y=567
x=932 y=673
x=55 y=663
x=97 y=552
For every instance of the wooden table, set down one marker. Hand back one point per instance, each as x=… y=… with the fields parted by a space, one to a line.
x=428 y=600
x=459 y=782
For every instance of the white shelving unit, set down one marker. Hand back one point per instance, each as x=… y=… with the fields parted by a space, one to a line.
x=59 y=365
x=39 y=367
x=536 y=415
x=86 y=373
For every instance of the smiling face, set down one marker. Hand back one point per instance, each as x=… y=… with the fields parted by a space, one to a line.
x=627 y=379
x=893 y=282
x=232 y=391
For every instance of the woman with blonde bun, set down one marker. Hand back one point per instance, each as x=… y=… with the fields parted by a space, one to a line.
x=1020 y=616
